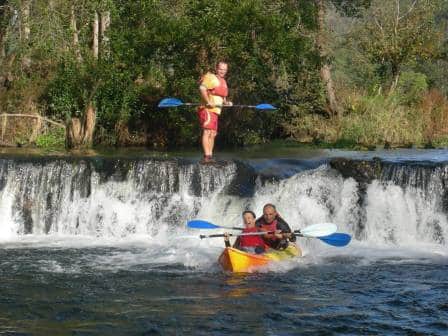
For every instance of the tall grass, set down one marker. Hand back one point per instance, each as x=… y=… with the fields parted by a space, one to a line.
x=379 y=120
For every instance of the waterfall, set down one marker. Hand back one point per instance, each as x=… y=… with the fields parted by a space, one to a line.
x=103 y=197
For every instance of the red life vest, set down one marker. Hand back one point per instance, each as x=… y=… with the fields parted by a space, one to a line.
x=221 y=90
x=251 y=241
x=270 y=228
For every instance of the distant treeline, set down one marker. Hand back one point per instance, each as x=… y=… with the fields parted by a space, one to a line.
x=354 y=72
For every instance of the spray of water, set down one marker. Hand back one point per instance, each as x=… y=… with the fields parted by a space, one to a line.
x=144 y=205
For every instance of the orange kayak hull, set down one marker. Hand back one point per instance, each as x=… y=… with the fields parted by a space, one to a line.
x=237 y=261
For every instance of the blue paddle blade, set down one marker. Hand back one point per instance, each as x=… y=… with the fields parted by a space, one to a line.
x=265 y=107
x=337 y=239
x=170 y=102
x=201 y=224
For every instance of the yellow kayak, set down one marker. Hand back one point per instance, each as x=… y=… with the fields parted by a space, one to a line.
x=238 y=261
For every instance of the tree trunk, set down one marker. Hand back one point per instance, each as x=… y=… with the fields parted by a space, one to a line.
x=37 y=128
x=73 y=133
x=2 y=44
x=325 y=74
x=79 y=133
x=105 y=23
x=89 y=125
x=96 y=28
x=74 y=28
x=25 y=20
x=396 y=77
x=2 y=48
x=325 y=71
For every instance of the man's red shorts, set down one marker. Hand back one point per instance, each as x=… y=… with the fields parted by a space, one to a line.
x=208 y=120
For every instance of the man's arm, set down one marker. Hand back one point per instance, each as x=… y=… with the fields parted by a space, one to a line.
x=284 y=227
x=204 y=95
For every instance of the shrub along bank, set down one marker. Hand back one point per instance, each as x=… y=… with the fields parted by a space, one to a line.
x=119 y=58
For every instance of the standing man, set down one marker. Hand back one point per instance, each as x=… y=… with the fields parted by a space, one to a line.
x=272 y=222
x=214 y=92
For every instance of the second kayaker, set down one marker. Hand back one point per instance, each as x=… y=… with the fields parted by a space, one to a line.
x=251 y=244
x=272 y=222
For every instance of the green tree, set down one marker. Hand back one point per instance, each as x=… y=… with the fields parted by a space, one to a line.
x=396 y=33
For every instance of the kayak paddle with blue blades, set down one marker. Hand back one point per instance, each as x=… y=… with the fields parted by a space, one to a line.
x=312 y=231
x=324 y=232
x=337 y=239
x=175 y=102
x=202 y=224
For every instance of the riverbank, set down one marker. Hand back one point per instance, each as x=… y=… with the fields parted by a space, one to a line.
x=274 y=149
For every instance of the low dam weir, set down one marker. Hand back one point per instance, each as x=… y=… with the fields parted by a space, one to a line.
x=376 y=200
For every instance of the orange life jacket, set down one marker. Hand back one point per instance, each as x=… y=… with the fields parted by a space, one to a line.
x=221 y=90
x=270 y=228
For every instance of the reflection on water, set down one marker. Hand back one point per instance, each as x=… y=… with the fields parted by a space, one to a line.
x=240 y=286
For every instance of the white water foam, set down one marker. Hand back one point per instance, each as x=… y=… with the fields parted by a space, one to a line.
x=392 y=222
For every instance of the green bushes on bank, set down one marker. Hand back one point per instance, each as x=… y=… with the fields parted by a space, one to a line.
x=54 y=139
x=388 y=93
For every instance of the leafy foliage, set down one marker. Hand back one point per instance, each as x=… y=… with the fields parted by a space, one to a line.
x=154 y=49
x=55 y=139
x=395 y=33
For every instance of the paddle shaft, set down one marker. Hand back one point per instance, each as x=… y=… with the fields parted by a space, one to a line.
x=297 y=232
x=174 y=102
x=219 y=106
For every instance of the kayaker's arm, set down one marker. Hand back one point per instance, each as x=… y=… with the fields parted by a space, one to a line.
x=236 y=244
x=205 y=96
x=284 y=227
x=226 y=239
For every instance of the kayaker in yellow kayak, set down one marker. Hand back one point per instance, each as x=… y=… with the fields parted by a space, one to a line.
x=251 y=244
x=272 y=222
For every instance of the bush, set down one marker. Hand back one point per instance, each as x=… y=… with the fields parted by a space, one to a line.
x=67 y=93
x=382 y=119
x=434 y=110
x=54 y=139
x=411 y=87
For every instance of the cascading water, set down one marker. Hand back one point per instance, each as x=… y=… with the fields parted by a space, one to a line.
x=106 y=198
x=99 y=246
x=103 y=198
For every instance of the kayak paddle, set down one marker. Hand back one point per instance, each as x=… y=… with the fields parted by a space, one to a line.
x=337 y=239
x=201 y=224
x=312 y=231
x=317 y=230
x=324 y=232
x=175 y=102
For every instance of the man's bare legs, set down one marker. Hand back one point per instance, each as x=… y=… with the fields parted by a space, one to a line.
x=208 y=142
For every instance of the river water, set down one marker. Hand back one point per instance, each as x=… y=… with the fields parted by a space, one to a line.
x=98 y=245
